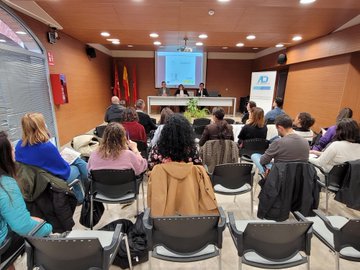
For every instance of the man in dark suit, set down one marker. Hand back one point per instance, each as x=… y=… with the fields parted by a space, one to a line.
x=144 y=118
x=202 y=92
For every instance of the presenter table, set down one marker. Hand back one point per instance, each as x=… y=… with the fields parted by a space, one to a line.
x=182 y=101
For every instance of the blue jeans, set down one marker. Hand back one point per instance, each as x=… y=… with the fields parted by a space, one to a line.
x=256 y=159
x=78 y=170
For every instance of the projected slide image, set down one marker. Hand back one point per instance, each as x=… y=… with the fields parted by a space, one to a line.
x=180 y=70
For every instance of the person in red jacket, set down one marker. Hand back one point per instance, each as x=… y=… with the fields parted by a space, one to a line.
x=134 y=130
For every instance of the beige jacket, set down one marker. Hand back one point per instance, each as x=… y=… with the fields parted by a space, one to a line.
x=178 y=188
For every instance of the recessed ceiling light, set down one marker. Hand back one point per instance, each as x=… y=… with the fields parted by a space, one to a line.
x=105 y=34
x=199 y=43
x=307 y=1
x=255 y=48
x=20 y=32
x=2 y=40
x=297 y=38
x=280 y=45
x=115 y=42
x=223 y=1
x=112 y=39
x=130 y=46
x=203 y=36
x=154 y=35
x=251 y=37
x=158 y=43
x=240 y=44
x=224 y=48
x=211 y=12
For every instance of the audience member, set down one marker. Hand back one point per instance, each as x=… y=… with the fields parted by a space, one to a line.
x=114 y=113
x=346 y=147
x=202 y=92
x=35 y=149
x=329 y=134
x=302 y=124
x=271 y=115
x=181 y=91
x=290 y=147
x=177 y=186
x=114 y=153
x=15 y=219
x=165 y=114
x=249 y=108
x=255 y=128
x=219 y=129
x=144 y=118
x=176 y=143
x=135 y=131
x=163 y=91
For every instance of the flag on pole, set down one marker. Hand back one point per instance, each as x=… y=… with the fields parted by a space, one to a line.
x=134 y=86
x=116 y=90
x=126 y=85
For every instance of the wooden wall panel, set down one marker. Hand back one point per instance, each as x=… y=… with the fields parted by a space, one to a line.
x=229 y=77
x=88 y=81
x=317 y=87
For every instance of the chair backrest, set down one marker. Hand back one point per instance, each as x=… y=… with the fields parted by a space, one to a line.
x=143 y=148
x=337 y=174
x=348 y=235
x=278 y=241
x=201 y=121
x=185 y=234
x=233 y=175
x=99 y=130
x=113 y=183
x=64 y=253
x=253 y=146
x=230 y=121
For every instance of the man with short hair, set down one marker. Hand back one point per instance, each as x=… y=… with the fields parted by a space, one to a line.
x=202 y=92
x=114 y=113
x=163 y=91
x=144 y=118
x=290 y=147
x=277 y=105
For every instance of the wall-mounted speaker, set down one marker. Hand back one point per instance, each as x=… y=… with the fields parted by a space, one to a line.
x=90 y=52
x=282 y=58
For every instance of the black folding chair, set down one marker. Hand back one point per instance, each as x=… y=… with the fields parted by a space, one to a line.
x=199 y=125
x=252 y=146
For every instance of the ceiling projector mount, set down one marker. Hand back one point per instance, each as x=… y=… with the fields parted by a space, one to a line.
x=185 y=48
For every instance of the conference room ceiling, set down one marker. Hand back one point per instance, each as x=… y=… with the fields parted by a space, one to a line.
x=131 y=21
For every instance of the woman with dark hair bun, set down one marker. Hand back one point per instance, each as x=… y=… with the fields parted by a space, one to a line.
x=345 y=148
x=219 y=129
x=176 y=143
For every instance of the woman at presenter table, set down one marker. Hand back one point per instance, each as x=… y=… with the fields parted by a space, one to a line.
x=181 y=91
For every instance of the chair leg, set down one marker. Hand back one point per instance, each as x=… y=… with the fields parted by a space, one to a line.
x=137 y=205
x=308 y=262
x=240 y=263
x=252 y=202
x=234 y=198
x=128 y=250
x=143 y=193
x=337 y=260
x=220 y=259
x=326 y=201
x=91 y=211
x=150 y=259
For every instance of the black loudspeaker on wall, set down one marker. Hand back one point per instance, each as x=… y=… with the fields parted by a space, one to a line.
x=90 y=52
x=282 y=58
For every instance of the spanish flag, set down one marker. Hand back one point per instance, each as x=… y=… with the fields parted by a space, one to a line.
x=116 y=90
x=126 y=85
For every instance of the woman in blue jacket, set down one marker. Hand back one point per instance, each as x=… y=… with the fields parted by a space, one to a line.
x=15 y=219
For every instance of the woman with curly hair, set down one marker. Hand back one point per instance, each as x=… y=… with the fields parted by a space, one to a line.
x=302 y=124
x=116 y=152
x=176 y=143
x=219 y=129
x=135 y=131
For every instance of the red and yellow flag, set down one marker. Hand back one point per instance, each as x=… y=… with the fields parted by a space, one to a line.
x=116 y=90
x=126 y=85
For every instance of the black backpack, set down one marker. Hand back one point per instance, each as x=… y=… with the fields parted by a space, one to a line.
x=137 y=241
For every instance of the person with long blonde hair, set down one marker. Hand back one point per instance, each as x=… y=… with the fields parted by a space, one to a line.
x=36 y=149
x=255 y=127
x=116 y=152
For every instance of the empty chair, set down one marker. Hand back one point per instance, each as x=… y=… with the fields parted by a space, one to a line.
x=199 y=125
x=269 y=244
x=252 y=146
x=77 y=251
x=340 y=234
x=230 y=121
x=233 y=179
x=10 y=260
x=114 y=186
x=185 y=238
x=333 y=180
